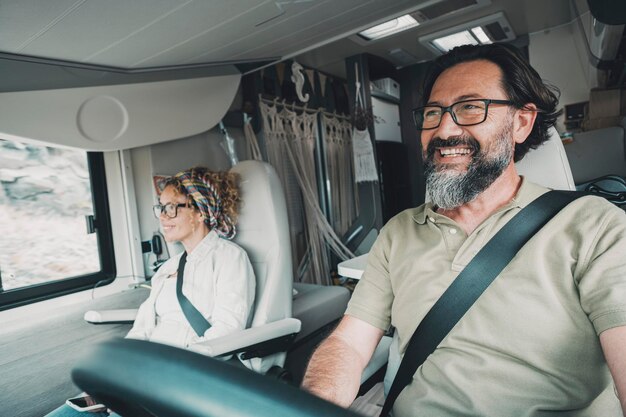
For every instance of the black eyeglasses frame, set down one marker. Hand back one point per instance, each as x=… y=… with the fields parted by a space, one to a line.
x=159 y=209
x=448 y=109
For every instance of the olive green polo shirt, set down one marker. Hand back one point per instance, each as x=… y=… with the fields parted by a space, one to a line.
x=529 y=345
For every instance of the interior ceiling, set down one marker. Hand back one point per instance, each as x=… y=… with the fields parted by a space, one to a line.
x=525 y=17
x=149 y=35
x=141 y=34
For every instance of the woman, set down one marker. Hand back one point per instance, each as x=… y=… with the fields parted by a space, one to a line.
x=197 y=208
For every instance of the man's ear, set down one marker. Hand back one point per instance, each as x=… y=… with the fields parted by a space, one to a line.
x=523 y=122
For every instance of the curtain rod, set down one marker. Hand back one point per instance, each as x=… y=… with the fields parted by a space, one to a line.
x=294 y=106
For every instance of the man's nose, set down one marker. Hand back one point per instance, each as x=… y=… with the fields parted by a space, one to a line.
x=448 y=127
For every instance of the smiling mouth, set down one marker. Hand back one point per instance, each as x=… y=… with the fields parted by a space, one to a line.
x=451 y=152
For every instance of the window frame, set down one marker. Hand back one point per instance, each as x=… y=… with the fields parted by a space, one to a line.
x=38 y=292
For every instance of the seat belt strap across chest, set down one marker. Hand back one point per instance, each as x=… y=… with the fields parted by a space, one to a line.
x=193 y=316
x=472 y=282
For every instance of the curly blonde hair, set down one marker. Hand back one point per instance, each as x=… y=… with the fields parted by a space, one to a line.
x=214 y=194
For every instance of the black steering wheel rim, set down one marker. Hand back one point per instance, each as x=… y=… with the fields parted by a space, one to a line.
x=142 y=379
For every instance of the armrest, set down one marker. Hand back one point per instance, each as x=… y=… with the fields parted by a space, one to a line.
x=248 y=338
x=111 y=316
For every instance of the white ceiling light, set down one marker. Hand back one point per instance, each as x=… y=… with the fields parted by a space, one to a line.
x=389 y=28
x=480 y=34
x=445 y=43
x=489 y=29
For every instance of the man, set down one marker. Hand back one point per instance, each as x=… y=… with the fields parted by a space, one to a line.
x=538 y=340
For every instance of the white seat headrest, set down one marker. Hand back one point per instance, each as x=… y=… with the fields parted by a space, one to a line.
x=548 y=165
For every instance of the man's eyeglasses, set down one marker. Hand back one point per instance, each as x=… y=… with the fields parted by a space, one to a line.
x=170 y=209
x=464 y=113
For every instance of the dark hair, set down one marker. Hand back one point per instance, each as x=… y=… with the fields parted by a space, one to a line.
x=521 y=83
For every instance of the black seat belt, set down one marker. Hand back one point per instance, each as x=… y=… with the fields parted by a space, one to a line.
x=471 y=283
x=194 y=317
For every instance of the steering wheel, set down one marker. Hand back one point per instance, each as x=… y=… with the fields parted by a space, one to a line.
x=142 y=379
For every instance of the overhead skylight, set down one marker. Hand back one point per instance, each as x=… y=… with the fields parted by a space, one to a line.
x=486 y=30
x=389 y=28
x=481 y=35
x=445 y=43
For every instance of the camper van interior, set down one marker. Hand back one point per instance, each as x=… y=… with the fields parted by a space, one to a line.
x=310 y=102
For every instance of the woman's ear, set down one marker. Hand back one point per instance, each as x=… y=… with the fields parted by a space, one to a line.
x=523 y=122
x=199 y=217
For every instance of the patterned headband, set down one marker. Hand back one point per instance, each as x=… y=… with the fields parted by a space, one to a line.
x=208 y=201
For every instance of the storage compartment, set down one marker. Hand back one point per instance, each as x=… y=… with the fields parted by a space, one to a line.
x=607 y=108
x=386 y=86
x=607 y=103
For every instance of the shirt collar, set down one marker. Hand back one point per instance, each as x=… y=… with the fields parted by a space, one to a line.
x=422 y=212
x=204 y=247
x=526 y=193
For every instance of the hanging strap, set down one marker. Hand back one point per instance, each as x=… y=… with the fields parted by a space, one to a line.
x=471 y=283
x=193 y=316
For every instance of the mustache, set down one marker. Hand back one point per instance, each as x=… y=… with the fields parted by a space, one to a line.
x=468 y=141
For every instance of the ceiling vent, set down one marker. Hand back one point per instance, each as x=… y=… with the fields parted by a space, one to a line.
x=423 y=14
x=489 y=29
x=401 y=58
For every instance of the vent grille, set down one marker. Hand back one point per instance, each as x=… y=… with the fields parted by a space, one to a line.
x=401 y=58
x=433 y=10
x=496 y=27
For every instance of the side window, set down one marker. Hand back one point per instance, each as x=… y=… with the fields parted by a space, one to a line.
x=55 y=229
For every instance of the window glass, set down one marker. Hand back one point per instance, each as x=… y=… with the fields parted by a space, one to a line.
x=45 y=195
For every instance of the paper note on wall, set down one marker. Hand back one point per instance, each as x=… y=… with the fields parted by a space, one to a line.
x=363 y=152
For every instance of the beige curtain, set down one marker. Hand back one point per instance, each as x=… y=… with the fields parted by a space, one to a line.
x=290 y=140
x=339 y=161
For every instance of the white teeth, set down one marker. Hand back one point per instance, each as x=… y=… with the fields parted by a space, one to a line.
x=454 y=151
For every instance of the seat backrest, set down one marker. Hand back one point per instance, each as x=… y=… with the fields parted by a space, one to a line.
x=263 y=231
x=548 y=164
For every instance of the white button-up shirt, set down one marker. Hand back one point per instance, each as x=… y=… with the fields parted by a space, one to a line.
x=219 y=282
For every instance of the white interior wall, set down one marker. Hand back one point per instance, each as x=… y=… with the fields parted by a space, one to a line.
x=553 y=53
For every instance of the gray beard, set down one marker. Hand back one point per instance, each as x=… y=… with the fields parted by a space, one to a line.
x=449 y=188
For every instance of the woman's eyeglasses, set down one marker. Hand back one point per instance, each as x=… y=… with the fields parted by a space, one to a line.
x=170 y=209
